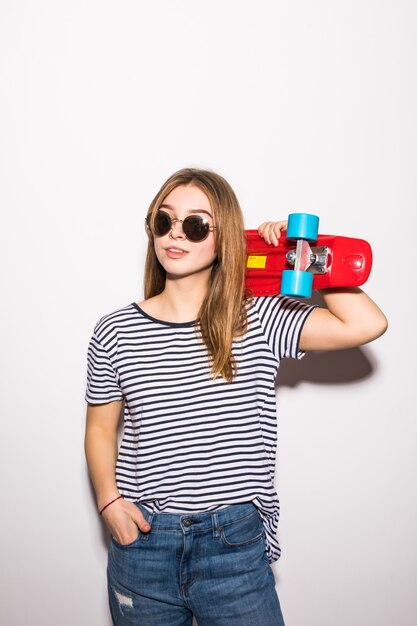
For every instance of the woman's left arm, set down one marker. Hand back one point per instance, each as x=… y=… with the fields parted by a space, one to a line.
x=350 y=318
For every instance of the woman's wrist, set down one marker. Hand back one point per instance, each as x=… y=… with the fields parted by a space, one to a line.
x=105 y=497
x=104 y=507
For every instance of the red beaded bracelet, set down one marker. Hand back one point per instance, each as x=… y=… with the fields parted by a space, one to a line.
x=109 y=503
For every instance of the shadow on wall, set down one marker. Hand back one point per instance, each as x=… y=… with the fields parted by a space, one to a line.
x=336 y=367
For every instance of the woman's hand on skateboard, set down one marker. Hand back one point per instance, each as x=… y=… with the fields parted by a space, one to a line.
x=271 y=231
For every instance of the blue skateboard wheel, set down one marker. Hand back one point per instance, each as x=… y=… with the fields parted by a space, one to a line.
x=297 y=284
x=303 y=226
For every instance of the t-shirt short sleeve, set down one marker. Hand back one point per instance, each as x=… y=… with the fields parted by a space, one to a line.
x=282 y=319
x=102 y=378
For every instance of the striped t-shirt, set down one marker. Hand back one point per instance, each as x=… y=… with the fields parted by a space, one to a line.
x=191 y=443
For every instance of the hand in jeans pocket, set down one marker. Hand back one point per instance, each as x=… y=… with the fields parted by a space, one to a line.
x=125 y=522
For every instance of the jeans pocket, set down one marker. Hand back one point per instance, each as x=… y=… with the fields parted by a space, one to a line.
x=243 y=531
x=126 y=545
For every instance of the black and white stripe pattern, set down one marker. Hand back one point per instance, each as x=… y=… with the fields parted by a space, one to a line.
x=191 y=443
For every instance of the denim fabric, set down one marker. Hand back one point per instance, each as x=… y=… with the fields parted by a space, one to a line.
x=212 y=565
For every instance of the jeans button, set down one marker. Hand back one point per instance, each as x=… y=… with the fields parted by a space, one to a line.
x=187 y=522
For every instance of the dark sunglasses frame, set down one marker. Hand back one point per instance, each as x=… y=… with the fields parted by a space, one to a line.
x=192 y=225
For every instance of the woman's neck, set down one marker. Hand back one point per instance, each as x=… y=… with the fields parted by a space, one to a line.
x=181 y=299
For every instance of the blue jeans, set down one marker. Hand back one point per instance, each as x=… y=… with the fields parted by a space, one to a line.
x=212 y=565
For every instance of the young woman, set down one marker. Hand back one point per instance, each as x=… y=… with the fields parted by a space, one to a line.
x=189 y=497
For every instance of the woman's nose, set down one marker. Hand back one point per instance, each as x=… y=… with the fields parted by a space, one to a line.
x=176 y=229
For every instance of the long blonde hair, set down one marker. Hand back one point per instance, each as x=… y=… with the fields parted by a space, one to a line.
x=223 y=313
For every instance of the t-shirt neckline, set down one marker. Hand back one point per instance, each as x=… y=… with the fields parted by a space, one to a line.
x=163 y=322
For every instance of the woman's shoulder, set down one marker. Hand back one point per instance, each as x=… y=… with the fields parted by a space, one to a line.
x=258 y=301
x=277 y=303
x=113 y=318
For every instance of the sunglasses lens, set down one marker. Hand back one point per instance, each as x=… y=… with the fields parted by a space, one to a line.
x=195 y=228
x=162 y=223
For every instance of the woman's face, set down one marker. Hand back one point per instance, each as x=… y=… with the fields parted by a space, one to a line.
x=196 y=257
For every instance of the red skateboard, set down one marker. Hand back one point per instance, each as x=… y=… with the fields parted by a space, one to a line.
x=304 y=260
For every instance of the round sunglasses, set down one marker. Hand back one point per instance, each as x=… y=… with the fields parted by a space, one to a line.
x=195 y=227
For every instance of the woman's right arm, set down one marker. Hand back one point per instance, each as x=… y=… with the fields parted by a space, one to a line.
x=123 y=518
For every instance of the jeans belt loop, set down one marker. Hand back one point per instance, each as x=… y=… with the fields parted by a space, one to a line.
x=216 y=530
x=149 y=519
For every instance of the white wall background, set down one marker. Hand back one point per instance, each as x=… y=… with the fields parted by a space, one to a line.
x=301 y=106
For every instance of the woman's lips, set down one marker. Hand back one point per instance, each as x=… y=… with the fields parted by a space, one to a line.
x=175 y=254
